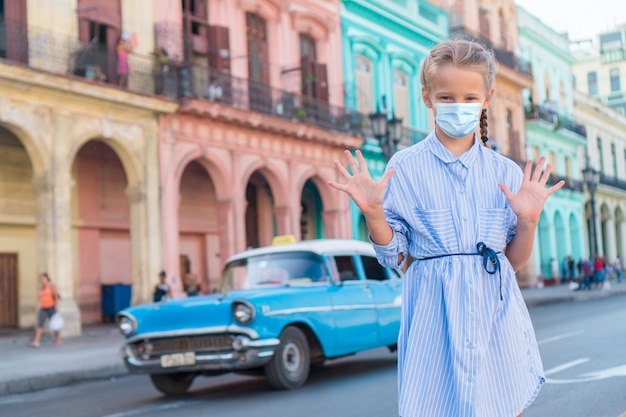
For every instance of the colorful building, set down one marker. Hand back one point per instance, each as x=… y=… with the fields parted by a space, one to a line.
x=552 y=133
x=80 y=165
x=384 y=44
x=248 y=154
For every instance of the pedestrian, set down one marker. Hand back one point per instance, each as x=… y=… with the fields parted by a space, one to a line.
x=619 y=269
x=468 y=216
x=123 y=68
x=48 y=298
x=598 y=271
x=162 y=290
x=586 y=273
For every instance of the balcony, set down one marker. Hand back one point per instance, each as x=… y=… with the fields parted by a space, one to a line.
x=612 y=182
x=503 y=56
x=44 y=50
x=558 y=120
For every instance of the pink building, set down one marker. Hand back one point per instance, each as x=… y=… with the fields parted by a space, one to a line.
x=249 y=152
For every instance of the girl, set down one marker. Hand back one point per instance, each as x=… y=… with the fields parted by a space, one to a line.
x=48 y=297
x=467 y=215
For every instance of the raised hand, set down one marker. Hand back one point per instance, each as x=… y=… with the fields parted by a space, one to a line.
x=528 y=203
x=366 y=192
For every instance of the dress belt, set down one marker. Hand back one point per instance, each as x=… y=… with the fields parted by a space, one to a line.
x=491 y=263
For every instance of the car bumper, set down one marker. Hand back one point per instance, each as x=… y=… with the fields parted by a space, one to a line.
x=244 y=355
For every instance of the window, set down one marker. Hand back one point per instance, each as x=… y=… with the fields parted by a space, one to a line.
x=401 y=96
x=346 y=268
x=364 y=84
x=592 y=83
x=373 y=269
x=314 y=75
x=553 y=162
x=568 y=167
x=600 y=158
x=615 y=80
x=614 y=159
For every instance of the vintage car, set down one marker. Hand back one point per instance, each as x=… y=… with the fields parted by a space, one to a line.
x=280 y=309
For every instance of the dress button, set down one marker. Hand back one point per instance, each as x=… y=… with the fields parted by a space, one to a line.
x=470 y=379
x=472 y=313
x=471 y=346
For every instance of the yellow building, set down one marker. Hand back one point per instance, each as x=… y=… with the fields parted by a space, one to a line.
x=79 y=170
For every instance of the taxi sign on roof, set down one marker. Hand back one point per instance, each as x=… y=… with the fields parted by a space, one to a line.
x=283 y=239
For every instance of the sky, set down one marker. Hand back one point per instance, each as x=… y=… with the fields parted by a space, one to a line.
x=582 y=19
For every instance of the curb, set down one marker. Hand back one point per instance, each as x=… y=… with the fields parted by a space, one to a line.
x=41 y=382
x=575 y=296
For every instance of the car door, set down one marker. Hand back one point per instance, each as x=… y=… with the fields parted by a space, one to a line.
x=353 y=308
x=386 y=287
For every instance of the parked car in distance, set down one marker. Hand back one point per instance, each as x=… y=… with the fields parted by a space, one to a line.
x=280 y=309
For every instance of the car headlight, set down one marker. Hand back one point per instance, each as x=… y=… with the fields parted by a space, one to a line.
x=127 y=325
x=243 y=312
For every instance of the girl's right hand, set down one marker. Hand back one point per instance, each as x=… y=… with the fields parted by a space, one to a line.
x=366 y=192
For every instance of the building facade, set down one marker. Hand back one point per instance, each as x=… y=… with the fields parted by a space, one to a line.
x=80 y=165
x=248 y=154
x=384 y=44
x=606 y=154
x=600 y=68
x=552 y=133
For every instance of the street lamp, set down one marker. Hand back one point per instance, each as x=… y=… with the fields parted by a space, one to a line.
x=591 y=177
x=388 y=132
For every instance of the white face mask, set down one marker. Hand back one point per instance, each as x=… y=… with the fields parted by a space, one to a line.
x=458 y=120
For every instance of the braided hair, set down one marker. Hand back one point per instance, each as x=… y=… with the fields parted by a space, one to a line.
x=483 y=129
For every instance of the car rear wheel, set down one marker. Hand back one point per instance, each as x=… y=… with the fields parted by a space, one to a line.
x=290 y=365
x=172 y=384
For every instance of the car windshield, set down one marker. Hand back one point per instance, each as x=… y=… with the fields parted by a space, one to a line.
x=274 y=269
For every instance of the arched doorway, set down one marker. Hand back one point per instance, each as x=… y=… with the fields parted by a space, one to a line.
x=18 y=256
x=198 y=223
x=102 y=224
x=562 y=244
x=311 y=223
x=606 y=229
x=260 y=218
x=576 y=238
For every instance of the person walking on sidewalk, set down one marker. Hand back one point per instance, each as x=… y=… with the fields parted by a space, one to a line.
x=468 y=217
x=48 y=298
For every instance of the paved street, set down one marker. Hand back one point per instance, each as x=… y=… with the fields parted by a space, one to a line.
x=580 y=338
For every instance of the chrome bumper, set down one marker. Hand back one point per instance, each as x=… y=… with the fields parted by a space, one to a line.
x=246 y=354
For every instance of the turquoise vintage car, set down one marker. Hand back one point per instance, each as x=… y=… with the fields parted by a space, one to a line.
x=280 y=310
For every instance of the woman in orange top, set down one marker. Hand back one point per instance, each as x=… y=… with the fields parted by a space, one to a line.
x=48 y=297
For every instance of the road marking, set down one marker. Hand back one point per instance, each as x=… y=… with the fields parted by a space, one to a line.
x=565 y=366
x=559 y=337
x=591 y=376
x=151 y=408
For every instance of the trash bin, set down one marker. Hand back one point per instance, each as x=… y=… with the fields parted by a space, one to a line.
x=115 y=297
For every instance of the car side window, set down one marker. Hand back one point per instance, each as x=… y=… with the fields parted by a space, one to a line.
x=373 y=269
x=346 y=268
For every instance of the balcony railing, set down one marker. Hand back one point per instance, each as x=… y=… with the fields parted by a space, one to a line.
x=558 y=120
x=200 y=82
x=503 y=56
x=612 y=182
x=43 y=50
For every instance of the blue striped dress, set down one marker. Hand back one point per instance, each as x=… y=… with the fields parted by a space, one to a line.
x=466 y=346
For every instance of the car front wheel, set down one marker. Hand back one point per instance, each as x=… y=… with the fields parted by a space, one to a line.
x=290 y=365
x=172 y=384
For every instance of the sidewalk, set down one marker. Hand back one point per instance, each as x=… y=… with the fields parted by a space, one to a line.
x=95 y=353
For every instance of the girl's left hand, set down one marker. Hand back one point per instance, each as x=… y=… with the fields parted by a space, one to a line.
x=528 y=203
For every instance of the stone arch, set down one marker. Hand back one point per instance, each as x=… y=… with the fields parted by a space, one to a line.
x=267 y=9
x=606 y=230
x=576 y=237
x=215 y=167
x=545 y=245
x=312 y=24
x=132 y=166
x=273 y=177
x=561 y=238
x=37 y=152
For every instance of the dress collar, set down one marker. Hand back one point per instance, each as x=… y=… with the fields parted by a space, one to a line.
x=446 y=156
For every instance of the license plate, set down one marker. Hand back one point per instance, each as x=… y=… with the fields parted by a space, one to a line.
x=178 y=359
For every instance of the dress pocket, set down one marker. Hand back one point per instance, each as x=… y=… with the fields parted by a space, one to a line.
x=437 y=229
x=493 y=227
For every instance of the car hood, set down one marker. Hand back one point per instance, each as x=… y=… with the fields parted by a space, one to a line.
x=199 y=313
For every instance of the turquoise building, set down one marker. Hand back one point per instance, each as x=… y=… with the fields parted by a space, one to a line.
x=384 y=44
x=552 y=132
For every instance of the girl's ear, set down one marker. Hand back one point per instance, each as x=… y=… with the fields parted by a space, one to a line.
x=426 y=98
x=488 y=99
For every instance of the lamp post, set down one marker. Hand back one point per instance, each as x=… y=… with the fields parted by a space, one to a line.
x=591 y=177
x=388 y=132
